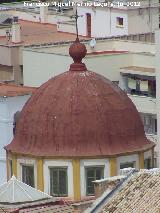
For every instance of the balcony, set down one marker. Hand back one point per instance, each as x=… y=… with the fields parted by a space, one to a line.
x=152 y=137
x=144 y=104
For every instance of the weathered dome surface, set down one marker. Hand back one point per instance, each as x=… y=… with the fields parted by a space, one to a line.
x=79 y=113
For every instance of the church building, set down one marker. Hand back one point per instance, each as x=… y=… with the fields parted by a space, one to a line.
x=76 y=128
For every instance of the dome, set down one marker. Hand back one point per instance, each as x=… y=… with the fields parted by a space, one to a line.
x=79 y=113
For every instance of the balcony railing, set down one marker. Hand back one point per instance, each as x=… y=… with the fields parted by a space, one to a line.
x=152 y=137
x=144 y=104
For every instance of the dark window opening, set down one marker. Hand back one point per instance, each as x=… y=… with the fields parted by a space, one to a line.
x=127 y=165
x=148 y=163
x=58 y=182
x=155 y=125
x=119 y=21
x=28 y=175
x=92 y=174
x=15 y=120
x=11 y=168
x=144 y=87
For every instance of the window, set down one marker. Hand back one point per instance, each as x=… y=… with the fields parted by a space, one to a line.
x=92 y=174
x=58 y=182
x=11 y=168
x=155 y=126
x=119 y=22
x=148 y=163
x=15 y=119
x=28 y=175
x=127 y=165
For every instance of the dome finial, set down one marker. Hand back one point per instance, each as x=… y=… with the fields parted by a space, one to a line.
x=77 y=51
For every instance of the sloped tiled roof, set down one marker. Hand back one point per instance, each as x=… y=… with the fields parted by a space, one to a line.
x=37 y=33
x=49 y=209
x=40 y=209
x=140 y=194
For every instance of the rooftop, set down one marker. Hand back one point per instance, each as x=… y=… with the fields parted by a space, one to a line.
x=138 y=70
x=14 y=191
x=138 y=192
x=110 y=52
x=142 y=69
x=40 y=208
x=10 y=90
x=16 y=196
x=37 y=33
x=141 y=194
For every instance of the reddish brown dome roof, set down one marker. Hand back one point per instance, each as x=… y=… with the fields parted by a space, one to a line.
x=79 y=113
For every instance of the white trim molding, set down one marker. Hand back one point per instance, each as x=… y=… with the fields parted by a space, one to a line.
x=58 y=163
x=91 y=163
x=127 y=159
x=26 y=161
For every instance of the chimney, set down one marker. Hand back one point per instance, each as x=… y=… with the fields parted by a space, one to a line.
x=16 y=30
x=107 y=184
x=43 y=14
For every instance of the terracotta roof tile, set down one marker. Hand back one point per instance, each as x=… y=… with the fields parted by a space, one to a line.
x=49 y=208
x=37 y=33
x=140 y=194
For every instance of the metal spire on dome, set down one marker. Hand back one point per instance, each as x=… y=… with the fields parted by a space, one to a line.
x=76 y=16
x=77 y=50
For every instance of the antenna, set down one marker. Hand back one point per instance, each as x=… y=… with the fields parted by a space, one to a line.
x=92 y=43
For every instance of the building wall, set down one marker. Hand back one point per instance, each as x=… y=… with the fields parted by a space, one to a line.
x=110 y=64
x=116 y=30
x=43 y=66
x=26 y=161
x=139 y=20
x=58 y=163
x=3 y=31
x=71 y=175
x=6 y=72
x=157 y=64
x=35 y=16
x=143 y=20
x=8 y=107
x=144 y=60
x=144 y=104
x=5 y=55
x=103 y=21
x=129 y=158
x=103 y=45
x=94 y=162
x=66 y=27
x=9 y=56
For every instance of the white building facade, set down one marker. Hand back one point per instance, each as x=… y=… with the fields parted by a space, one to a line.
x=102 y=22
x=98 y=21
x=8 y=107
